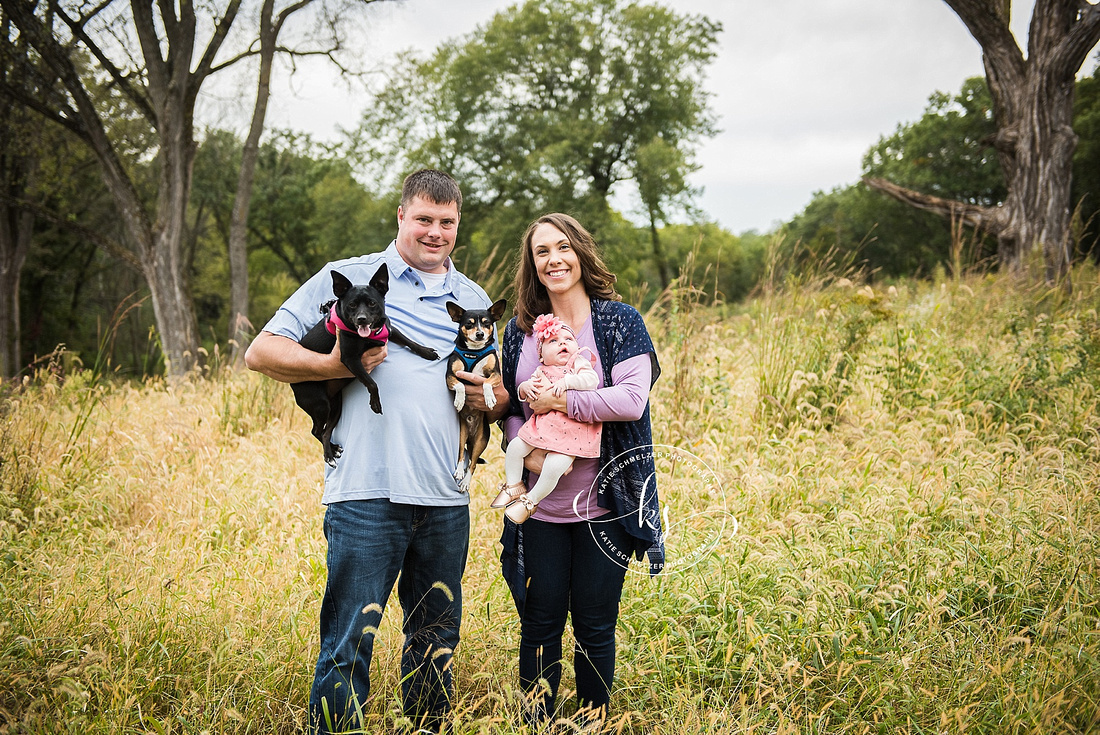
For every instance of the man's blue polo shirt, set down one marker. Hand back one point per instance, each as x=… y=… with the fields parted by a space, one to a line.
x=409 y=452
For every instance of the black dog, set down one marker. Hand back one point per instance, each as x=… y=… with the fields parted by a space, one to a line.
x=358 y=318
x=475 y=352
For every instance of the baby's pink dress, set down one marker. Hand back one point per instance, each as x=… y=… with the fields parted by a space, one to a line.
x=556 y=432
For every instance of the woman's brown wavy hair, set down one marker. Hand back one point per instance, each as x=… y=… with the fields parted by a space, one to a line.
x=531 y=296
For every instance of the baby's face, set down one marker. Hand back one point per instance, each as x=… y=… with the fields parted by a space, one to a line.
x=558 y=349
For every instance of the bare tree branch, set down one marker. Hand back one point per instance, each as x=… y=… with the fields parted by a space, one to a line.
x=206 y=65
x=288 y=11
x=138 y=97
x=63 y=115
x=155 y=66
x=1075 y=49
x=998 y=44
x=987 y=219
x=289 y=53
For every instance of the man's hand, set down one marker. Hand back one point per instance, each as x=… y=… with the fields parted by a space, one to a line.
x=475 y=396
x=371 y=359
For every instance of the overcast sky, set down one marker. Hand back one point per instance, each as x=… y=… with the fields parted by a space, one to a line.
x=802 y=88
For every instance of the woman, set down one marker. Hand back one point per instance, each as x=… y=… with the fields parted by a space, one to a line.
x=570 y=557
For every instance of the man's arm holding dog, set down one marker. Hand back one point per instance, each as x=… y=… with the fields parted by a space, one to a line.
x=476 y=399
x=283 y=359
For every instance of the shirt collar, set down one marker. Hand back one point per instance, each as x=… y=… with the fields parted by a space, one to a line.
x=400 y=269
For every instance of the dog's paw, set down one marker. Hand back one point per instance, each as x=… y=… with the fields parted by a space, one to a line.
x=332 y=452
x=460 y=396
x=429 y=354
x=375 y=404
x=464 y=483
x=490 y=397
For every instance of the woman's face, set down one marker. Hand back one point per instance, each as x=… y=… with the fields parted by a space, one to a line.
x=556 y=263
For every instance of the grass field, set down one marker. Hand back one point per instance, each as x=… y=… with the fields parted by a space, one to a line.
x=882 y=506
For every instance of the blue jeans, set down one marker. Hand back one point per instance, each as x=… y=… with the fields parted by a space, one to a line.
x=369 y=543
x=571 y=570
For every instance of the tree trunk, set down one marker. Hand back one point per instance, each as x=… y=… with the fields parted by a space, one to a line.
x=165 y=263
x=1035 y=143
x=239 y=325
x=16 y=226
x=658 y=254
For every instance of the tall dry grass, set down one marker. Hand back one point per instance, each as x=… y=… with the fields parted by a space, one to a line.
x=899 y=533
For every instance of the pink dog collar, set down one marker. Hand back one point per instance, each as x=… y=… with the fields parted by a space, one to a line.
x=334 y=323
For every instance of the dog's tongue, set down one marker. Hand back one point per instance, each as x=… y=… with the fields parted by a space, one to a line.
x=365 y=331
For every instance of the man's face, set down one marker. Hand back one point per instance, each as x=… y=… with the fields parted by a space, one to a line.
x=426 y=234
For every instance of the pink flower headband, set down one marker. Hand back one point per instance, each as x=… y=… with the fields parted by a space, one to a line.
x=547 y=326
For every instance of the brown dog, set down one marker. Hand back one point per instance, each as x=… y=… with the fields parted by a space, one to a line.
x=475 y=352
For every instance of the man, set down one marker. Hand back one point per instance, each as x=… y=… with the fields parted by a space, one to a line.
x=393 y=505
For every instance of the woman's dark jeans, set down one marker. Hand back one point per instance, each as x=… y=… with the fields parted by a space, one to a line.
x=573 y=569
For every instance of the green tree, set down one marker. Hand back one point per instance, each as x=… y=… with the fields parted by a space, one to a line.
x=19 y=171
x=79 y=281
x=57 y=224
x=948 y=152
x=547 y=107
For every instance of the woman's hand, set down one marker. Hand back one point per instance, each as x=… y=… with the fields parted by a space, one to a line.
x=533 y=462
x=546 y=402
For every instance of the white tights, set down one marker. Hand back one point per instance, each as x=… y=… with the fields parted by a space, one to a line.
x=553 y=468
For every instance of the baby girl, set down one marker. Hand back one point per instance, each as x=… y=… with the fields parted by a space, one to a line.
x=563 y=368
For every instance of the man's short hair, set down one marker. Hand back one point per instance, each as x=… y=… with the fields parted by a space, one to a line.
x=435 y=186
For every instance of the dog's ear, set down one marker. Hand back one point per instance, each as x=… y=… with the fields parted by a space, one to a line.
x=340 y=284
x=381 y=280
x=455 y=311
x=497 y=309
